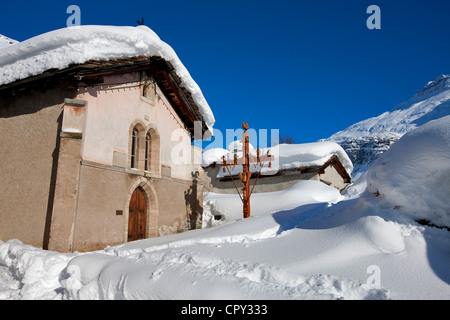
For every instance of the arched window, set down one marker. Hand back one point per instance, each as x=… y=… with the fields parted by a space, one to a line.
x=144 y=148
x=134 y=148
x=149 y=92
x=153 y=151
x=147 y=151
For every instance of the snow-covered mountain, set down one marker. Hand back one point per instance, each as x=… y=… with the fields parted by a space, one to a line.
x=366 y=140
x=6 y=42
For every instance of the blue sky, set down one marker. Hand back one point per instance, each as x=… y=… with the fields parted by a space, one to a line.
x=307 y=68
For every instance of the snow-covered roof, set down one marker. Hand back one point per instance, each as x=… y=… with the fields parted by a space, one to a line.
x=287 y=156
x=6 y=42
x=76 y=45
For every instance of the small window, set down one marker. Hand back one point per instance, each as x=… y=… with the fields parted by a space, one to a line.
x=149 y=92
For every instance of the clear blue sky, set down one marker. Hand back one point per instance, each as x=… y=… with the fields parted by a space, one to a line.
x=307 y=68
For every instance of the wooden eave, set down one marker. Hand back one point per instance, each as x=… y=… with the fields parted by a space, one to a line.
x=337 y=164
x=92 y=72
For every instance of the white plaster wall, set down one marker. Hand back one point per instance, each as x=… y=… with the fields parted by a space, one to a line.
x=110 y=113
x=332 y=176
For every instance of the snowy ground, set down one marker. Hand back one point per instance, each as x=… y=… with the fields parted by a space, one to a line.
x=307 y=242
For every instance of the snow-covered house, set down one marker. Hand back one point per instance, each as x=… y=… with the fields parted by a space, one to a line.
x=322 y=161
x=89 y=118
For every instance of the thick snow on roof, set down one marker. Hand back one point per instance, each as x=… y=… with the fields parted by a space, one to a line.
x=6 y=42
x=61 y=48
x=287 y=156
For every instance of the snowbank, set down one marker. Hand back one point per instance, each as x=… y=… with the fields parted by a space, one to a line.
x=414 y=174
x=30 y=273
x=229 y=206
x=351 y=250
x=60 y=48
x=287 y=156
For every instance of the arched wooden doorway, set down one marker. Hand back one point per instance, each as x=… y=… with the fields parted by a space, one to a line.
x=137 y=219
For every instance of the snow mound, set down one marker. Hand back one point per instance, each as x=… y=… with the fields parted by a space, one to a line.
x=229 y=206
x=287 y=156
x=35 y=272
x=75 y=45
x=414 y=174
x=123 y=280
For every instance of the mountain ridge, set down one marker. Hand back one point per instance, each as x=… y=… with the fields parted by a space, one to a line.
x=364 y=141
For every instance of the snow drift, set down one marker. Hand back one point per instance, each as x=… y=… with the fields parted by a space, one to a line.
x=308 y=248
x=414 y=174
x=75 y=45
x=229 y=206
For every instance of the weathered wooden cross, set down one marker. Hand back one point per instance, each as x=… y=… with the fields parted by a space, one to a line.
x=246 y=160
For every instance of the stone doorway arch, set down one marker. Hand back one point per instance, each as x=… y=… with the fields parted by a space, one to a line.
x=152 y=207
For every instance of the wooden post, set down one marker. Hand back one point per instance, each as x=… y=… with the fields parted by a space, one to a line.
x=245 y=176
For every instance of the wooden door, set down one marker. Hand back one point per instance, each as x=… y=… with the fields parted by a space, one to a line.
x=137 y=220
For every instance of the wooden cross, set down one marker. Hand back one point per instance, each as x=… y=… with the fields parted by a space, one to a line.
x=246 y=160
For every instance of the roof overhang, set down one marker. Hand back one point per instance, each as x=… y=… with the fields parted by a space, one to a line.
x=93 y=72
